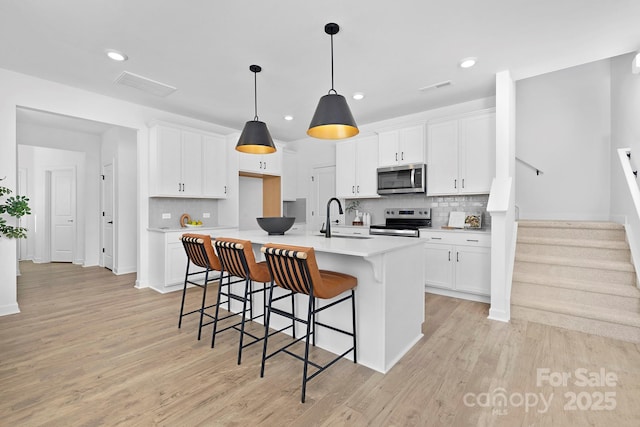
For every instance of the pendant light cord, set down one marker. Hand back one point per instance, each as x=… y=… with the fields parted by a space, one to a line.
x=255 y=95
x=332 y=89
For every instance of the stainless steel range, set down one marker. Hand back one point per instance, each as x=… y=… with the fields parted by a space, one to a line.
x=403 y=222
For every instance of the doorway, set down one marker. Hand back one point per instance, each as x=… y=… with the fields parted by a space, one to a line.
x=107 y=216
x=62 y=214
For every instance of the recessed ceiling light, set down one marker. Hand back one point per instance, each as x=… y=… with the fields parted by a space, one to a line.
x=358 y=96
x=468 y=62
x=288 y=118
x=116 y=56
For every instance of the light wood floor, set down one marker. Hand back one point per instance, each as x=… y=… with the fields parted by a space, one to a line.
x=88 y=349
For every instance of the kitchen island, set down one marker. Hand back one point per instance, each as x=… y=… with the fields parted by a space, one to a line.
x=389 y=296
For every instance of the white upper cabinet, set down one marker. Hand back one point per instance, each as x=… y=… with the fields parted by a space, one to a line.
x=214 y=153
x=356 y=168
x=186 y=163
x=289 y=176
x=461 y=155
x=402 y=147
x=265 y=164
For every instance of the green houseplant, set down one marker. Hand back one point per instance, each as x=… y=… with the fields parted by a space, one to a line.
x=15 y=206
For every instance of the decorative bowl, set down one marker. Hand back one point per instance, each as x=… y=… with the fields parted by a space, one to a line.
x=275 y=225
x=193 y=225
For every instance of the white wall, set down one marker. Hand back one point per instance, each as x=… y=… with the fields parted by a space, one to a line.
x=625 y=133
x=563 y=128
x=65 y=143
x=119 y=148
x=20 y=90
x=250 y=202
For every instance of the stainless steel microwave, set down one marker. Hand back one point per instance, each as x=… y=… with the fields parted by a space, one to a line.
x=402 y=179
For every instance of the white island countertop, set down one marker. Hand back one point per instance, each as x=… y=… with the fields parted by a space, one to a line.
x=354 y=246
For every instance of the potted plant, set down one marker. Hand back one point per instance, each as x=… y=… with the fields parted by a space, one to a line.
x=15 y=206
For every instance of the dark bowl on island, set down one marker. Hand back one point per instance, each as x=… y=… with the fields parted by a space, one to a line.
x=275 y=225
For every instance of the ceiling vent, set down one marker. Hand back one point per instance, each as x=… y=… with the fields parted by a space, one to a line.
x=144 y=84
x=436 y=86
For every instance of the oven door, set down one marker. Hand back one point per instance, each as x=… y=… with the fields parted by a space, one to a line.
x=402 y=179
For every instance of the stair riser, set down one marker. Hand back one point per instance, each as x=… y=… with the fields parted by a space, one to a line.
x=575 y=252
x=525 y=291
x=572 y=233
x=590 y=326
x=576 y=273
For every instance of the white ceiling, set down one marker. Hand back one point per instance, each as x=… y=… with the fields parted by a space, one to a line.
x=388 y=50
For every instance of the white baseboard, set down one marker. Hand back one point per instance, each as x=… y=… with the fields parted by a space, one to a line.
x=457 y=294
x=8 y=309
x=125 y=270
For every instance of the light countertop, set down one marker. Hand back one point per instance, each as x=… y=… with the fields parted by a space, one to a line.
x=375 y=245
x=200 y=229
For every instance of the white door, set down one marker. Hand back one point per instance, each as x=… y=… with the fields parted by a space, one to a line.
x=63 y=215
x=323 y=187
x=107 y=216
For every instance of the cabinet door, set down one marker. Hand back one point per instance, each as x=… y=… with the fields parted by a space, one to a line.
x=214 y=169
x=168 y=179
x=438 y=269
x=442 y=166
x=346 y=169
x=176 y=263
x=411 y=145
x=250 y=162
x=289 y=176
x=366 y=167
x=272 y=163
x=473 y=270
x=388 y=148
x=477 y=146
x=191 y=164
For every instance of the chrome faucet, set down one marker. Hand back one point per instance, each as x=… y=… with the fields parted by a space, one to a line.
x=328 y=229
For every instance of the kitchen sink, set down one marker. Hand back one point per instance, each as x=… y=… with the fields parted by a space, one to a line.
x=346 y=236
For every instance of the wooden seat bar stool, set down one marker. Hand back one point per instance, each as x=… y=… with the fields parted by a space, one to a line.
x=237 y=260
x=294 y=268
x=200 y=253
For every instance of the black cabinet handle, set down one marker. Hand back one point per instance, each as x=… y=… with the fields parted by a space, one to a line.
x=449 y=255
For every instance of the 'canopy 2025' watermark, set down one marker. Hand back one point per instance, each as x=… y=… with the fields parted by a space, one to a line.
x=595 y=393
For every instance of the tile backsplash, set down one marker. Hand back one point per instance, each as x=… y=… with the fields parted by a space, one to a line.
x=440 y=206
x=178 y=206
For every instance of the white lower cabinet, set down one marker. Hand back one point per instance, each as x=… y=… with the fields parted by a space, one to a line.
x=458 y=263
x=168 y=261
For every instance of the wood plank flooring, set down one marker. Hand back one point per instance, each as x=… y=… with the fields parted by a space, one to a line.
x=88 y=349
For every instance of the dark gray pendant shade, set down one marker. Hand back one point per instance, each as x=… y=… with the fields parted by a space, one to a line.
x=332 y=119
x=255 y=139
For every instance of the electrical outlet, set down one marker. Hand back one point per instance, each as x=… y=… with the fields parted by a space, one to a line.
x=206 y=215
x=166 y=216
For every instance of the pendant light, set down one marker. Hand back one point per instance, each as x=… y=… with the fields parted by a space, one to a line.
x=332 y=119
x=255 y=137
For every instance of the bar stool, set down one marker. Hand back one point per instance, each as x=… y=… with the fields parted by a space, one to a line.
x=295 y=269
x=200 y=253
x=237 y=260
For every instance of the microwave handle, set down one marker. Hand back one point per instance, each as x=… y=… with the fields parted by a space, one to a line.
x=413 y=178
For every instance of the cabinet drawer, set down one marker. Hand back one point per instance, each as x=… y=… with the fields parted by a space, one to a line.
x=458 y=238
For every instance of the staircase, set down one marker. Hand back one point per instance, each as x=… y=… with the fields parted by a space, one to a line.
x=576 y=275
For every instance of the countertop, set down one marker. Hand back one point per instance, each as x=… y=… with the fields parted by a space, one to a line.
x=191 y=229
x=361 y=247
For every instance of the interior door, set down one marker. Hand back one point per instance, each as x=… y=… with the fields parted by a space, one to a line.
x=107 y=216
x=22 y=222
x=63 y=215
x=323 y=187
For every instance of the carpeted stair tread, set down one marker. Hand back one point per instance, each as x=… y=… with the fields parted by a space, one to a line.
x=602 y=225
x=619 y=289
x=576 y=262
x=586 y=243
x=579 y=310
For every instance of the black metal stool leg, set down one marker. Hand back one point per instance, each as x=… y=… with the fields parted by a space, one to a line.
x=184 y=293
x=247 y=287
x=267 y=319
x=215 y=320
x=353 y=314
x=310 y=314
